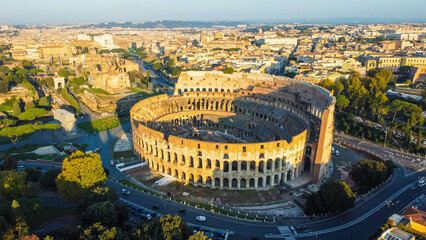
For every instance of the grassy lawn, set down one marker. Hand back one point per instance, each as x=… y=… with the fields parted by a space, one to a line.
x=125 y=155
x=98 y=91
x=81 y=147
x=48 y=214
x=104 y=124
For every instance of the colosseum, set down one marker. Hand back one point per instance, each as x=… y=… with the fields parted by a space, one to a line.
x=236 y=131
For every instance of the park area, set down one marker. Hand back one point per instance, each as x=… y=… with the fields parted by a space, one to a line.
x=104 y=124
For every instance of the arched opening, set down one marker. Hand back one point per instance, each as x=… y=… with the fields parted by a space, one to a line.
x=269 y=164
x=184 y=176
x=252 y=165
x=243 y=183
x=307 y=164
x=260 y=182
x=217 y=182
x=225 y=182
x=261 y=166
x=234 y=166
x=209 y=163
x=225 y=166
x=234 y=183
x=209 y=181
x=308 y=151
x=191 y=177
x=176 y=174
x=162 y=169
x=251 y=183
x=191 y=162
x=200 y=179
x=268 y=181
x=276 y=179
x=200 y=163
x=243 y=166
x=169 y=171
x=289 y=175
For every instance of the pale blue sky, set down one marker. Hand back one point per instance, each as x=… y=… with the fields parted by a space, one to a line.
x=84 y=11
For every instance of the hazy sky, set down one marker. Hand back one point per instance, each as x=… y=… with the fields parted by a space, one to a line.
x=84 y=11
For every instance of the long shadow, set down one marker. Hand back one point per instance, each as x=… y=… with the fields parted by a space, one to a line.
x=272 y=134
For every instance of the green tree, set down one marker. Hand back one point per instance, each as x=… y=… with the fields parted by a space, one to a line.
x=342 y=102
x=17 y=108
x=9 y=163
x=99 y=194
x=157 y=66
x=199 y=236
x=327 y=84
x=80 y=174
x=32 y=114
x=29 y=105
x=44 y=102
x=48 y=179
x=107 y=213
x=99 y=232
x=33 y=174
x=63 y=72
x=331 y=197
x=228 y=70
x=4 y=87
x=167 y=227
x=419 y=140
x=12 y=184
x=338 y=87
x=368 y=174
x=26 y=65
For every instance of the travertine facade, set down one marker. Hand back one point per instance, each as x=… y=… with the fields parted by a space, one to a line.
x=237 y=131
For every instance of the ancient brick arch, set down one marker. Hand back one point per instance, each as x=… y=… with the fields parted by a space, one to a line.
x=163 y=133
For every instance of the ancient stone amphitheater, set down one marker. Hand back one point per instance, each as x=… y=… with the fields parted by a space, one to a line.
x=236 y=131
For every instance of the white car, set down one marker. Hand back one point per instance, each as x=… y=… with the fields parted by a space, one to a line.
x=421 y=183
x=125 y=191
x=201 y=218
x=112 y=162
x=337 y=153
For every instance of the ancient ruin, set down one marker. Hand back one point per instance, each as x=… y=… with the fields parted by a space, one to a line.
x=236 y=131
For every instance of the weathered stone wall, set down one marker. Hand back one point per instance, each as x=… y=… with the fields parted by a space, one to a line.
x=237 y=165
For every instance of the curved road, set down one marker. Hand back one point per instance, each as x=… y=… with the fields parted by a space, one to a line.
x=357 y=223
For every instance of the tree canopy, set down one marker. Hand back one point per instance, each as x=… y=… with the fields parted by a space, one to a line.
x=80 y=174
x=368 y=174
x=331 y=197
x=12 y=184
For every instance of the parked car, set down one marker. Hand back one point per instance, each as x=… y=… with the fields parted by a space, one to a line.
x=200 y=218
x=301 y=227
x=155 y=207
x=182 y=210
x=337 y=153
x=421 y=183
x=20 y=166
x=146 y=215
x=125 y=191
x=111 y=162
x=96 y=150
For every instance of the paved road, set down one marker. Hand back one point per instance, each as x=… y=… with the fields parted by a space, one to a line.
x=357 y=223
x=410 y=162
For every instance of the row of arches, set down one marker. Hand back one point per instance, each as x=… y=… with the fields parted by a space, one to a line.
x=225 y=182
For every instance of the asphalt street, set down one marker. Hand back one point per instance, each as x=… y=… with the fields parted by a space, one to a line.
x=357 y=223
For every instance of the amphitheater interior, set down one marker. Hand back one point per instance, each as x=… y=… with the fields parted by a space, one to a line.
x=236 y=131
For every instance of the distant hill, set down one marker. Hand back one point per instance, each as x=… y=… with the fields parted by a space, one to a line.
x=160 y=24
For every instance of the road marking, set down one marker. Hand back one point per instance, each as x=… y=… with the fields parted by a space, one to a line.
x=360 y=219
